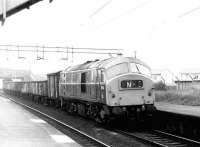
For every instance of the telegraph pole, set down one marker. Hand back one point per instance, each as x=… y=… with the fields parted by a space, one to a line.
x=135 y=54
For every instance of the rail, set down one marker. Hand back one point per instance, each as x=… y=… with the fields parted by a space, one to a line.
x=161 y=139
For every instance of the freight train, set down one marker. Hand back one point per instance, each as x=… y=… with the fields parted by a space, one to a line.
x=102 y=89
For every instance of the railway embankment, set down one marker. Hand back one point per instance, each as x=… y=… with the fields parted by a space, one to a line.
x=189 y=97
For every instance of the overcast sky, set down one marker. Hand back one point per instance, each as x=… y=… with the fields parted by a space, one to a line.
x=165 y=33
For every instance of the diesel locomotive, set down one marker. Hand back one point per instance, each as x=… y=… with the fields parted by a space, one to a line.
x=102 y=89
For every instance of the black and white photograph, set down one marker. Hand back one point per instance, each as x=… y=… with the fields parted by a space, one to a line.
x=99 y=73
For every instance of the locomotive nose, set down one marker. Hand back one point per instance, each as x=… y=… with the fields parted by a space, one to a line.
x=131 y=90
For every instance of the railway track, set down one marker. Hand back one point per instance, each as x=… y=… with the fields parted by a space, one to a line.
x=161 y=139
x=82 y=138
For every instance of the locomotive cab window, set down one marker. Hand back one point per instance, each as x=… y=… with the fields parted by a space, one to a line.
x=83 y=82
x=139 y=68
x=117 y=70
x=100 y=76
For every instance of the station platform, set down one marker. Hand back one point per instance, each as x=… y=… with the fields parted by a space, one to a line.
x=20 y=128
x=178 y=109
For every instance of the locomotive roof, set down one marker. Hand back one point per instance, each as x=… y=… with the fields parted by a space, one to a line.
x=55 y=73
x=106 y=63
x=26 y=81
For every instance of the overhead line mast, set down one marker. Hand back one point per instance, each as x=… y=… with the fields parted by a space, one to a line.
x=59 y=49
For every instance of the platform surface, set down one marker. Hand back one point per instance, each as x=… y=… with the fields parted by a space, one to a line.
x=20 y=128
x=179 y=109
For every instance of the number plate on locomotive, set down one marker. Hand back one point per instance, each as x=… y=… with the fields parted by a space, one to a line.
x=131 y=84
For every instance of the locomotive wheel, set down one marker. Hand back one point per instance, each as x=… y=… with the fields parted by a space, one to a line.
x=81 y=109
x=102 y=117
x=98 y=119
x=62 y=104
x=68 y=108
x=57 y=105
x=96 y=115
x=71 y=108
x=74 y=108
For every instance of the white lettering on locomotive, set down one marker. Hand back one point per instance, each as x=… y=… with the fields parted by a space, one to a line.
x=128 y=84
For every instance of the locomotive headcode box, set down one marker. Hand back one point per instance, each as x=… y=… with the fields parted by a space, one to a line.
x=131 y=84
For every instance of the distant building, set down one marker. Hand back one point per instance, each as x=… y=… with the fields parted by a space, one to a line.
x=18 y=75
x=164 y=75
x=1 y=81
x=15 y=74
x=188 y=79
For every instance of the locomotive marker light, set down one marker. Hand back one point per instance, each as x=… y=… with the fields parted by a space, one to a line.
x=113 y=96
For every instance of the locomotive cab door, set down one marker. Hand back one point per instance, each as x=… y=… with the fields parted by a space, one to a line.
x=100 y=86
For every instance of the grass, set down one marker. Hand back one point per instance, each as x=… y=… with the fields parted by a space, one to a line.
x=189 y=97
